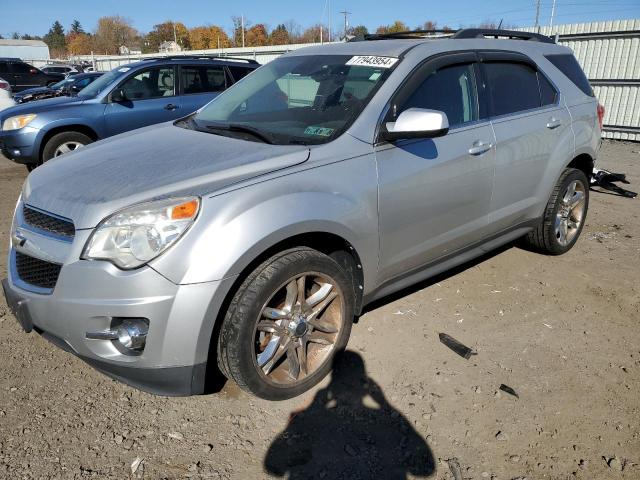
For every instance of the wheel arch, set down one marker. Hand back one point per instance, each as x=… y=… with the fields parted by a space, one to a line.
x=583 y=162
x=329 y=243
x=74 y=127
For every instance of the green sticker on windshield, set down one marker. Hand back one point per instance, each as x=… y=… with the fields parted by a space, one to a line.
x=319 y=131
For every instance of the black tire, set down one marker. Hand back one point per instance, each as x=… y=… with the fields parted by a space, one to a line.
x=236 y=349
x=544 y=238
x=31 y=166
x=49 y=150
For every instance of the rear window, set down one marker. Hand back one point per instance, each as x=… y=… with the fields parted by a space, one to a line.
x=568 y=65
x=240 y=72
x=513 y=87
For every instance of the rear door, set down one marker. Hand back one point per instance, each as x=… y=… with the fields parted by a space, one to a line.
x=199 y=84
x=532 y=129
x=434 y=194
x=150 y=98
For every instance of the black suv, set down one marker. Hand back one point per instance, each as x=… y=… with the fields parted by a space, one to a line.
x=21 y=75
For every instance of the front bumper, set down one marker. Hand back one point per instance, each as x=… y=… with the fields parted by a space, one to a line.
x=88 y=295
x=21 y=146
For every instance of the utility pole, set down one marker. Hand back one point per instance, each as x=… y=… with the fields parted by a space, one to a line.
x=175 y=37
x=346 y=23
x=537 y=24
x=242 y=26
x=553 y=12
x=329 y=10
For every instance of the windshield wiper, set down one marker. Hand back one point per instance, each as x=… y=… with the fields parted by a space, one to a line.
x=235 y=127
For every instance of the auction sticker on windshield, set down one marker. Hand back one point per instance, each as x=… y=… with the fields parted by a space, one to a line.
x=320 y=131
x=372 y=61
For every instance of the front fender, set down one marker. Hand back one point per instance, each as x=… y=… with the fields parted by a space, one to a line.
x=235 y=228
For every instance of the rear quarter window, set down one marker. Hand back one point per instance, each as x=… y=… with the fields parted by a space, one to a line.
x=513 y=86
x=240 y=72
x=570 y=67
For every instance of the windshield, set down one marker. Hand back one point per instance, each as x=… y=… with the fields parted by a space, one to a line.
x=297 y=99
x=61 y=83
x=102 y=82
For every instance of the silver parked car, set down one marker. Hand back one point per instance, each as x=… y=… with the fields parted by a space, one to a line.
x=249 y=234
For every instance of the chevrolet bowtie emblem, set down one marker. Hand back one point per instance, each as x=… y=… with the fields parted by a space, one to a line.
x=18 y=239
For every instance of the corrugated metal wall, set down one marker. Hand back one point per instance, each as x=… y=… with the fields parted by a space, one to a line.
x=609 y=53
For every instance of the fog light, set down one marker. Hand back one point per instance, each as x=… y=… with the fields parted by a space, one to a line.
x=129 y=334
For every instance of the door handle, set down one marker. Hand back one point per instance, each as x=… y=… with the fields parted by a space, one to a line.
x=170 y=106
x=479 y=147
x=553 y=123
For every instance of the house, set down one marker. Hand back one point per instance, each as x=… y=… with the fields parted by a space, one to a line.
x=24 y=49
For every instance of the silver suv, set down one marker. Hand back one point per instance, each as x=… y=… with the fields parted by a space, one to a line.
x=250 y=234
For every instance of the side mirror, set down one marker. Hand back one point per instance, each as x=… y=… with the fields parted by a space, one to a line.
x=416 y=123
x=118 y=95
x=75 y=88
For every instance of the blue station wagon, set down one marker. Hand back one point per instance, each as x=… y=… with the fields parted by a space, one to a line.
x=128 y=97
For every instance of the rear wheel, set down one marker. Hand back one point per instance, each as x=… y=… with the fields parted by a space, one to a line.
x=285 y=324
x=564 y=215
x=62 y=143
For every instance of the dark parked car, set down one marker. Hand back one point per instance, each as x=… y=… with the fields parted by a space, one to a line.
x=63 y=69
x=21 y=75
x=128 y=97
x=69 y=87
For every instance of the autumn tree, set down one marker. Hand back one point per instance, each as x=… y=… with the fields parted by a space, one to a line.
x=211 y=36
x=80 y=44
x=312 y=34
x=428 y=25
x=294 y=29
x=55 y=40
x=279 y=36
x=395 y=27
x=256 y=36
x=163 y=32
x=238 y=25
x=112 y=33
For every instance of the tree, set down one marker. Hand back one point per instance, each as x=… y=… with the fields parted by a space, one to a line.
x=164 y=32
x=279 y=36
x=237 y=30
x=395 y=27
x=55 y=39
x=79 y=44
x=256 y=36
x=112 y=33
x=429 y=25
x=312 y=34
x=76 y=27
x=294 y=29
x=211 y=36
x=15 y=36
x=358 y=31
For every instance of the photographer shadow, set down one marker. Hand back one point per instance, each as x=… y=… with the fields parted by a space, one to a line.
x=349 y=431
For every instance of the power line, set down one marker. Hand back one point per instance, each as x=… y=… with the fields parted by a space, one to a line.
x=346 y=23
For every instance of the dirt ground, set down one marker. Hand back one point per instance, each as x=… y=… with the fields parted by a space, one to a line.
x=561 y=331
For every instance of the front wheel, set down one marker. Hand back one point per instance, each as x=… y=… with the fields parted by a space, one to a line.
x=564 y=216
x=62 y=143
x=286 y=323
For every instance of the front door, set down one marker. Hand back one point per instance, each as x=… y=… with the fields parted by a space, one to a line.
x=434 y=194
x=149 y=97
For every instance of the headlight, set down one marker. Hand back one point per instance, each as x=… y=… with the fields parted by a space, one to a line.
x=17 y=122
x=134 y=236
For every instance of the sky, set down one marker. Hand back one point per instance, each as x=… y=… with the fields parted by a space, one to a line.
x=36 y=16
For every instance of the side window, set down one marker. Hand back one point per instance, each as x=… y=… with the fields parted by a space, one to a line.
x=548 y=93
x=568 y=65
x=200 y=79
x=4 y=67
x=513 y=87
x=239 y=72
x=151 y=83
x=20 y=67
x=83 y=83
x=451 y=90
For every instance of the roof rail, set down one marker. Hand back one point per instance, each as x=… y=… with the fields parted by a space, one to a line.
x=410 y=34
x=202 y=57
x=458 y=34
x=497 y=33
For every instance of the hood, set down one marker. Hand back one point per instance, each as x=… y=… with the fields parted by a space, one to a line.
x=157 y=161
x=38 y=106
x=31 y=91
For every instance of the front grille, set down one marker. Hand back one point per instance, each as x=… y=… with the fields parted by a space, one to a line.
x=48 y=223
x=34 y=271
